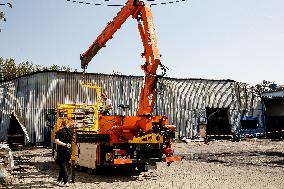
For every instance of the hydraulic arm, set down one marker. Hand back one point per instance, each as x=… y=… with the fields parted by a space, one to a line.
x=142 y=13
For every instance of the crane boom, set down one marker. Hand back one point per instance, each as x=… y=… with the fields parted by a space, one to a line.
x=107 y=33
x=143 y=14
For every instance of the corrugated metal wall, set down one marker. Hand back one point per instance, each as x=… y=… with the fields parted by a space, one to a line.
x=184 y=101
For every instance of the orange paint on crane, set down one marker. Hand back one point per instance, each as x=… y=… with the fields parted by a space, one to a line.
x=135 y=129
x=142 y=13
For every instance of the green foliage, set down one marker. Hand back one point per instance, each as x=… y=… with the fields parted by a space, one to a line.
x=10 y=70
x=25 y=68
x=7 y=69
x=54 y=68
x=262 y=87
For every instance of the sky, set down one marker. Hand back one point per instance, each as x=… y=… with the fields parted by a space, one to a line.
x=241 y=40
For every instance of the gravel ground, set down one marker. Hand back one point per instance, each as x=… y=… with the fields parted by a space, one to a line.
x=221 y=164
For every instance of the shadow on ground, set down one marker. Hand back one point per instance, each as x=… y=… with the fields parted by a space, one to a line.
x=30 y=174
x=255 y=158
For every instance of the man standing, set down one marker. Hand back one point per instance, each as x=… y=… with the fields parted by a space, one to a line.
x=63 y=139
x=106 y=105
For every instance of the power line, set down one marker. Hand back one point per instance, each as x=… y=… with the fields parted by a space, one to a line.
x=120 y=5
x=9 y=4
x=2 y=15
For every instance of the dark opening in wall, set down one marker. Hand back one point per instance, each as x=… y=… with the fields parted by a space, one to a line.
x=249 y=124
x=217 y=122
x=274 y=117
x=16 y=135
x=274 y=126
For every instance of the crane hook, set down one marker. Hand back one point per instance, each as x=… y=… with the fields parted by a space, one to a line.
x=84 y=74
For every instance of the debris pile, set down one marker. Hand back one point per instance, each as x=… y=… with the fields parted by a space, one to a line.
x=6 y=165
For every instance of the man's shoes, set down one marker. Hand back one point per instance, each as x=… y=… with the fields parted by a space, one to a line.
x=58 y=183
x=64 y=184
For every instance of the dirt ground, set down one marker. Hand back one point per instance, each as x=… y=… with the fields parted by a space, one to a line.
x=221 y=164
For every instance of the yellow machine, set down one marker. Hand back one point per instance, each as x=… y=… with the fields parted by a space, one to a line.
x=80 y=117
x=83 y=116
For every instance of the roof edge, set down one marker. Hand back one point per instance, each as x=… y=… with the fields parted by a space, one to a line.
x=171 y=78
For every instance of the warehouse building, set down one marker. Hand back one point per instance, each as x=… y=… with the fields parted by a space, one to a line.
x=223 y=107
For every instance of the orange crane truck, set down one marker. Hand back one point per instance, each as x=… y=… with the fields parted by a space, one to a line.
x=134 y=141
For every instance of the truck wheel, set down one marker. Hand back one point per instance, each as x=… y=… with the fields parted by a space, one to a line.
x=79 y=168
x=73 y=171
x=236 y=138
x=142 y=168
x=90 y=171
x=153 y=166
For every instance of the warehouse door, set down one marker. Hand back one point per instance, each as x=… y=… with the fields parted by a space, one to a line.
x=274 y=117
x=218 y=121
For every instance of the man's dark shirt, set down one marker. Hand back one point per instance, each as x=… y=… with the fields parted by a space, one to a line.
x=64 y=135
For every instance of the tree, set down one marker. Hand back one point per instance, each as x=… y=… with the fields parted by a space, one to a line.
x=58 y=68
x=25 y=68
x=1 y=69
x=264 y=86
x=54 y=68
x=10 y=70
x=66 y=68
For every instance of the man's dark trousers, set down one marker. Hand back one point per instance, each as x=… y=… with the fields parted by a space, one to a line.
x=63 y=158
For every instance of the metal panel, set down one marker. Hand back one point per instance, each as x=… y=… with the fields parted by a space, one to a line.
x=184 y=101
x=187 y=102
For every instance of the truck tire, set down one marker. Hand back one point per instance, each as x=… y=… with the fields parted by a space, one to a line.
x=73 y=171
x=79 y=168
x=90 y=171
x=142 y=167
